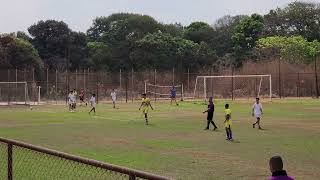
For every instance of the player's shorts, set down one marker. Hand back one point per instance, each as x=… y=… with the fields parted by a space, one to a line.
x=210 y=116
x=94 y=104
x=228 y=124
x=145 y=110
x=114 y=100
x=257 y=115
x=173 y=96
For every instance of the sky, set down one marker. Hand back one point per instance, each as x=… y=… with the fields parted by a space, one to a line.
x=18 y=15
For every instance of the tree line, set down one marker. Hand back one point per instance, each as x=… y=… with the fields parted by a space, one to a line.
x=126 y=41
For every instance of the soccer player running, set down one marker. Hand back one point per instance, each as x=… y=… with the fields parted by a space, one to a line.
x=75 y=94
x=173 y=94
x=227 y=122
x=69 y=99
x=113 y=97
x=93 y=104
x=257 y=112
x=145 y=104
x=82 y=97
x=210 y=112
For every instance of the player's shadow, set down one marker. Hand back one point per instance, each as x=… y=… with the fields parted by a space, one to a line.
x=235 y=141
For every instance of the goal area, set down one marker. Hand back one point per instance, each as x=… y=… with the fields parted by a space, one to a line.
x=162 y=92
x=14 y=93
x=233 y=87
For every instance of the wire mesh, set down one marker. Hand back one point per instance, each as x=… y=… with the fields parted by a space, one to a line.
x=3 y=161
x=29 y=164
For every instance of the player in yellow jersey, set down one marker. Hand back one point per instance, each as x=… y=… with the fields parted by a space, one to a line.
x=227 y=122
x=145 y=104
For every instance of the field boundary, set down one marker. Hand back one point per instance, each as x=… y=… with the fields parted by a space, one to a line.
x=12 y=146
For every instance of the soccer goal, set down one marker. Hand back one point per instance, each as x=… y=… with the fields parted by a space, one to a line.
x=233 y=87
x=162 y=92
x=14 y=93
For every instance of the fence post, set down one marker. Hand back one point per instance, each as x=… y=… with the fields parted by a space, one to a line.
x=56 y=82
x=126 y=76
x=132 y=84
x=10 y=173
x=8 y=87
x=316 y=77
x=298 y=86
x=279 y=78
x=33 y=79
x=84 y=79
x=98 y=85
x=155 y=82
x=120 y=80
x=47 y=82
x=232 y=81
x=188 y=79
x=76 y=79
x=173 y=80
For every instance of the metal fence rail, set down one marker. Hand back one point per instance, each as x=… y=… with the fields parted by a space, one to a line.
x=25 y=161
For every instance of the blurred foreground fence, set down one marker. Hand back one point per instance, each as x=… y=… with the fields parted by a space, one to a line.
x=288 y=80
x=24 y=161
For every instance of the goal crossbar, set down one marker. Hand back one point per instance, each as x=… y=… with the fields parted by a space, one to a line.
x=234 y=76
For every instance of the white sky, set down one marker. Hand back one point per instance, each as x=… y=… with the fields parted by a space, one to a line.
x=78 y=14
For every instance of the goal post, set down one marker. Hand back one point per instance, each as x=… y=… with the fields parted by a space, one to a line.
x=239 y=86
x=163 y=91
x=14 y=93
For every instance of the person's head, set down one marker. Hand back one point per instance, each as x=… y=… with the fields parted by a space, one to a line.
x=74 y=90
x=226 y=106
x=257 y=100
x=210 y=99
x=144 y=95
x=173 y=87
x=112 y=90
x=93 y=95
x=70 y=92
x=276 y=164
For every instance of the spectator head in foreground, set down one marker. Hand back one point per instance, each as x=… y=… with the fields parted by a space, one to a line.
x=276 y=168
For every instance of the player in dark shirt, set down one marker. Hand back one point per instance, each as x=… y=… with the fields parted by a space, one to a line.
x=210 y=113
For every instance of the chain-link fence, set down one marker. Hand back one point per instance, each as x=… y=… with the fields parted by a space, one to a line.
x=28 y=162
x=288 y=80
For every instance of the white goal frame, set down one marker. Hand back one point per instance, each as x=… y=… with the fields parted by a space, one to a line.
x=26 y=95
x=180 y=86
x=232 y=76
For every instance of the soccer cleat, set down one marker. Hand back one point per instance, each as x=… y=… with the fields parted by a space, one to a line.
x=260 y=128
x=215 y=128
x=253 y=125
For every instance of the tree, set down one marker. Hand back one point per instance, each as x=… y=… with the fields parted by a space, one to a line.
x=294 y=49
x=163 y=51
x=199 y=32
x=18 y=53
x=247 y=32
x=298 y=18
x=121 y=34
x=51 y=39
x=223 y=30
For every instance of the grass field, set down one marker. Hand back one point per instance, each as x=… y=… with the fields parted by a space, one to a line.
x=175 y=144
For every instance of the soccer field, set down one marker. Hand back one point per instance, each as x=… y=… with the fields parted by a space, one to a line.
x=175 y=144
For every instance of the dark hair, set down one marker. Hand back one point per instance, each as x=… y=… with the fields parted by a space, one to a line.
x=276 y=163
x=93 y=95
x=257 y=98
x=144 y=94
x=226 y=106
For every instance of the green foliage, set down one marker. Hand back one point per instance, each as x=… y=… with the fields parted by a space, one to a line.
x=298 y=18
x=246 y=34
x=163 y=51
x=199 y=32
x=18 y=53
x=294 y=49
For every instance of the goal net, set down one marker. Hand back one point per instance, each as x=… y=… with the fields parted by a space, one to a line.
x=162 y=92
x=14 y=93
x=233 y=87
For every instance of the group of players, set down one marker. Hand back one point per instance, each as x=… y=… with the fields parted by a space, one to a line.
x=146 y=105
x=72 y=100
x=256 y=112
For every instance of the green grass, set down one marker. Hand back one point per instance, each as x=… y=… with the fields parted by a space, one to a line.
x=175 y=144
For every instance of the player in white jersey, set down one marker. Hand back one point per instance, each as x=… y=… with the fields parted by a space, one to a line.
x=114 y=98
x=257 y=112
x=93 y=103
